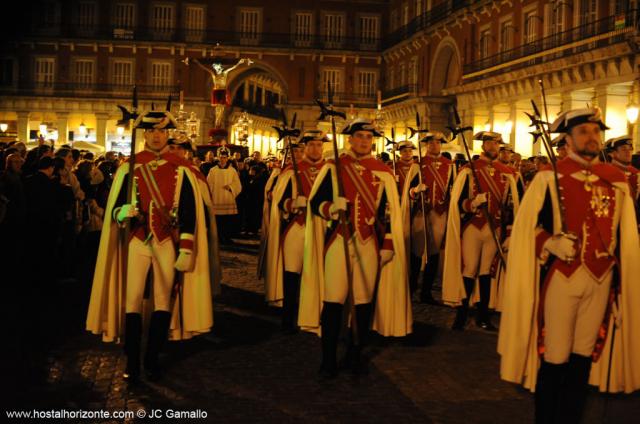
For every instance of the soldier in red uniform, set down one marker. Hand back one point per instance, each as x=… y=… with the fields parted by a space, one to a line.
x=376 y=251
x=287 y=224
x=621 y=152
x=168 y=234
x=470 y=246
x=504 y=154
x=404 y=163
x=575 y=282
x=438 y=174
x=560 y=143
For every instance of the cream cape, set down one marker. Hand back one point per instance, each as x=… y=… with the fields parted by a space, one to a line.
x=393 y=316
x=274 y=264
x=405 y=206
x=264 y=229
x=517 y=340
x=452 y=284
x=107 y=304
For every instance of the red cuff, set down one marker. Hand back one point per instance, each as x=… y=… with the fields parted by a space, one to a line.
x=387 y=244
x=324 y=209
x=466 y=205
x=541 y=238
x=186 y=241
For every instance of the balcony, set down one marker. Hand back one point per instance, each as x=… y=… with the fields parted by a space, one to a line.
x=227 y=38
x=84 y=90
x=600 y=33
x=342 y=99
x=397 y=94
x=429 y=18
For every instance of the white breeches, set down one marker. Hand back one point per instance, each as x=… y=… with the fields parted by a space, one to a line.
x=437 y=225
x=365 y=270
x=141 y=256
x=293 y=248
x=478 y=251
x=573 y=311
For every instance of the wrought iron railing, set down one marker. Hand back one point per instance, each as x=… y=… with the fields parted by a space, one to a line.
x=403 y=90
x=343 y=99
x=429 y=18
x=614 y=25
x=205 y=36
x=73 y=89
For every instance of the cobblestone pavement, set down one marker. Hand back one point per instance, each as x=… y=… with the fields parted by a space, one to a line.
x=246 y=370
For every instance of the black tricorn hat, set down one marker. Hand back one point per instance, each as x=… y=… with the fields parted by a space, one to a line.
x=156 y=119
x=361 y=124
x=571 y=118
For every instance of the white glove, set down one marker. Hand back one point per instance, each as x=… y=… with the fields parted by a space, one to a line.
x=126 y=211
x=479 y=200
x=562 y=247
x=419 y=189
x=299 y=202
x=339 y=204
x=184 y=263
x=386 y=256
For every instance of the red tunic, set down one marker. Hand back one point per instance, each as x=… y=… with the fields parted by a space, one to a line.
x=159 y=220
x=494 y=182
x=436 y=175
x=402 y=169
x=589 y=209
x=307 y=172
x=362 y=190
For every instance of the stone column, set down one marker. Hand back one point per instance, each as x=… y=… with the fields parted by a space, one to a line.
x=23 y=126
x=101 y=129
x=63 y=126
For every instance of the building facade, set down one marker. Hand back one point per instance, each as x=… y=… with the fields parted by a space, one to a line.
x=74 y=61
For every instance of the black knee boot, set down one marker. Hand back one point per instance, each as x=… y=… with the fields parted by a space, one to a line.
x=414 y=272
x=463 y=310
x=158 y=333
x=363 y=319
x=291 y=290
x=132 y=335
x=551 y=382
x=483 y=319
x=330 y=320
x=430 y=272
x=574 y=394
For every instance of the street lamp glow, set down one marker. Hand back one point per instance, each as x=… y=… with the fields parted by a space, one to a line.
x=82 y=129
x=120 y=130
x=3 y=127
x=632 y=113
